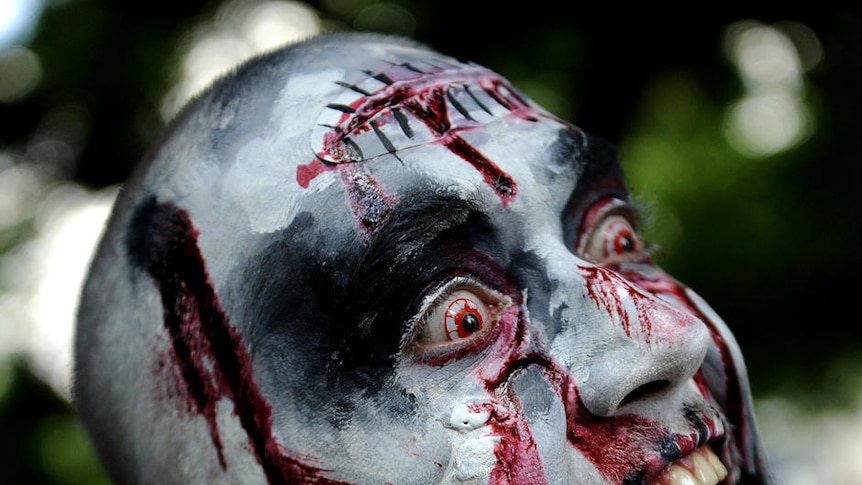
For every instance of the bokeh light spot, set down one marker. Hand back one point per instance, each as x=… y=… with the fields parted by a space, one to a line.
x=272 y=24
x=44 y=276
x=772 y=115
x=17 y=20
x=20 y=73
x=767 y=124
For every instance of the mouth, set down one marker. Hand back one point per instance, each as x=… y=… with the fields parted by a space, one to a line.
x=701 y=467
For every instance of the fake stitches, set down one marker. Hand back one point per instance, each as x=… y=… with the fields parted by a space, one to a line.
x=209 y=352
x=394 y=105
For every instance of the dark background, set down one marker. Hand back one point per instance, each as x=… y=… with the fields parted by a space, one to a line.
x=769 y=241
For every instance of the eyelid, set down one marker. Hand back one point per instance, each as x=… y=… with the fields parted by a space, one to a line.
x=597 y=214
x=492 y=298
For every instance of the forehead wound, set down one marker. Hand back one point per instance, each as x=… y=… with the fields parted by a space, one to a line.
x=414 y=101
x=411 y=102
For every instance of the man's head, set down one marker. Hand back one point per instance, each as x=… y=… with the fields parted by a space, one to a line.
x=356 y=260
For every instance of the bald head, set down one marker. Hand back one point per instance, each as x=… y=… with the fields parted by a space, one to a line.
x=356 y=260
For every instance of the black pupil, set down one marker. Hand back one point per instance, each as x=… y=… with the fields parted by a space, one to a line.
x=471 y=323
x=627 y=244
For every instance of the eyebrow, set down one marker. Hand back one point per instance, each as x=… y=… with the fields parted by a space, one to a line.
x=420 y=242
x=571 y=146
x=416 y=221
x=413 y=231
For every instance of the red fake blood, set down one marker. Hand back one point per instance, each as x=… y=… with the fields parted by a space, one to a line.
x=661 y=284
x=604 y=441
x=430 y=107
x=518 y=460
x=306 y=173
x=607 y=441
x=621 y=447
x=602 y=287
x=424 y=95
x=209 y=351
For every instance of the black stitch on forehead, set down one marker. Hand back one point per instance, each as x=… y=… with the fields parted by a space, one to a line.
x=411 y=103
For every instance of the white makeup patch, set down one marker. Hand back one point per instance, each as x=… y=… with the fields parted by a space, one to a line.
x=473 y=445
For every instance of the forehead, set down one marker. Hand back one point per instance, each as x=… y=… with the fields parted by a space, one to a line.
x=420 y=116
x=366 y=123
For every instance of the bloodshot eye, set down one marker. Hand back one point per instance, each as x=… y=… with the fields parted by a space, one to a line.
x=464 y=315
x=457 y=318
x=609 y=235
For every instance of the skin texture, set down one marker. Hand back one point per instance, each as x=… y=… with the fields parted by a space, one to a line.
x=355 y=260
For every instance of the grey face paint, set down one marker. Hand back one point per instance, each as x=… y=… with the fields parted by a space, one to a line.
x=356 y=260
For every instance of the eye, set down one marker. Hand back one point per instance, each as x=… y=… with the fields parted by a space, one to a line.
x=457 y=319
x=609 y=236
x=459 y=316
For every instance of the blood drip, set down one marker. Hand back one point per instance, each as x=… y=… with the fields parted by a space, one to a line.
x=208 y=349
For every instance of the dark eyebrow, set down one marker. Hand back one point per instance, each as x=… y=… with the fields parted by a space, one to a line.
x=408 y=240
x=416 y=221
x=600 y=176
x=416 y=245
x=570 y=146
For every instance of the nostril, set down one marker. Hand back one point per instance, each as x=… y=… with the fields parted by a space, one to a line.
x=645 y=390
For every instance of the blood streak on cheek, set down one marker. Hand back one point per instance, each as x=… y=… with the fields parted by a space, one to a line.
x=208 y=350
x=517 y=457
x=615 y=445
x=733 y=407
x=619 y=447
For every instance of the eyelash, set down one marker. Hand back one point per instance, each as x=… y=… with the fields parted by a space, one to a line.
x=437 y=348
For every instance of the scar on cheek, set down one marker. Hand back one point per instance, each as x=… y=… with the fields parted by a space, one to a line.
x=209 y=351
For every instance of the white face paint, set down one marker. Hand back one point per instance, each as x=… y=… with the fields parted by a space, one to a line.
x=359 y=261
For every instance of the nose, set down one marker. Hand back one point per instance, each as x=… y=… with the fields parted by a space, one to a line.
x=652 y=350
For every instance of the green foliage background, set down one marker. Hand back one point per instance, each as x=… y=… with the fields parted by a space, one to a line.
x=768 y=241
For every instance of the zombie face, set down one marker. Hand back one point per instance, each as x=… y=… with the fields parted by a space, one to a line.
x=355 y=260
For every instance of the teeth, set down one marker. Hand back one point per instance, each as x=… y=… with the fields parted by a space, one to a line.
x=700 y=468
x=703 y=469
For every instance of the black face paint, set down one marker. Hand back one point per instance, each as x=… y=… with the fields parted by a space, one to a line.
x=209 y=351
